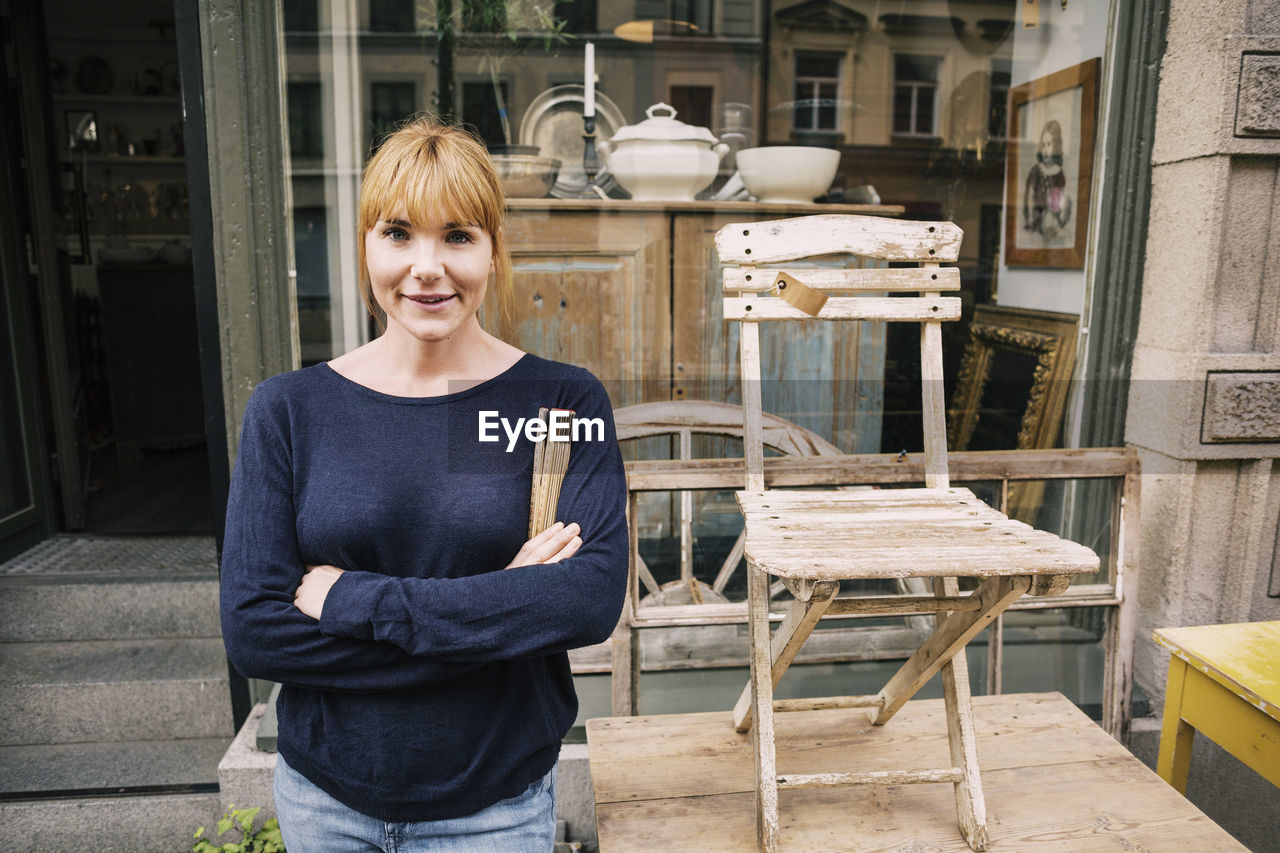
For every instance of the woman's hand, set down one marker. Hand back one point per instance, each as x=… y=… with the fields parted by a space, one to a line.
x=552 y=545
x=314 y=589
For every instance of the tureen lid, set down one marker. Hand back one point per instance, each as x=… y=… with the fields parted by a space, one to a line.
x=663 y=127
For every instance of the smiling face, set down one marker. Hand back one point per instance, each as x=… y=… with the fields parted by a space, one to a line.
x=429 y=278
x=423 y=176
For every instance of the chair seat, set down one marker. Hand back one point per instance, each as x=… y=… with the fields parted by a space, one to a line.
x=894 y=533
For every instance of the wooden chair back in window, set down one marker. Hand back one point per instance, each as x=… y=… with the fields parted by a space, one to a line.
x=812 y=540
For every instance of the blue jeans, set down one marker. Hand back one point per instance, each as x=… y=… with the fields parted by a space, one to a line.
x=311 y=821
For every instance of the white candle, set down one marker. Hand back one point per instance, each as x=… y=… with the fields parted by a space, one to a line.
x=589 y=102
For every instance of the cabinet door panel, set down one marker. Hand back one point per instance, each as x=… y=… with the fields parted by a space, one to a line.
x=594 y=290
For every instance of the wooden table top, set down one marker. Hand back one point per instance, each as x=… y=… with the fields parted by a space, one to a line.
x=1243 y=657
x=1053 y=781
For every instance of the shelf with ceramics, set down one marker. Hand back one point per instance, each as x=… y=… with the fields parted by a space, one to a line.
x=118 y=109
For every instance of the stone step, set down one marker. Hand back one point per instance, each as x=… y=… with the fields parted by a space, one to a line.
x=50 y=770
x=162 y=823
x=105 y=690
x=88 y=607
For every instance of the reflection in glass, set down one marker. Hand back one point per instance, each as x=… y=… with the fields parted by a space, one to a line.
x=389 y=104
x=817 y=88
x=915 y=94
x=301 y=16
x=481 y=108
x=306 y=137
x=391 y=16
x=915 y=100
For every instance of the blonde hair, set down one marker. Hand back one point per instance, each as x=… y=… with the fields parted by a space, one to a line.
x=432 y=168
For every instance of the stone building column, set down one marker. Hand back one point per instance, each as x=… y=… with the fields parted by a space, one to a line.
x=1204 y=399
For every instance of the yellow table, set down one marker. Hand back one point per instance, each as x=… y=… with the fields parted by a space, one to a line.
x=1224 y=681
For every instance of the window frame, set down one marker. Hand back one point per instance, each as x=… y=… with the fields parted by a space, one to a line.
x=798 y=80
x=916 y=85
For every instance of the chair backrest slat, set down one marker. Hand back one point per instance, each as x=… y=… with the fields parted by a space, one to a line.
x=897 y=280
x=782 y=240
x=933 y=407
x=743 y=247
x=887 y=308
x=752 y=406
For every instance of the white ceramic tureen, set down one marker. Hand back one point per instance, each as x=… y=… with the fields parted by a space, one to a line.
x=661 y=159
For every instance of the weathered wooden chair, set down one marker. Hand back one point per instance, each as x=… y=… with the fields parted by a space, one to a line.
x=812 y=540
x=691 y=601
x=683 y=419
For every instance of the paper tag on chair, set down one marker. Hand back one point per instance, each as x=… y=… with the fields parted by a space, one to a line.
x=797 y=294
x=1031 y=14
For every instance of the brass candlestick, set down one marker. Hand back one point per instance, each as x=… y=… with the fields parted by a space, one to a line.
x=590 y=160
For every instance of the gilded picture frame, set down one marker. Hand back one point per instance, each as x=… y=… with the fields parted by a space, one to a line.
x=1012 y=388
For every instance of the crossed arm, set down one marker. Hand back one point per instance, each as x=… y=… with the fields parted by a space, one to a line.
x=558 y=542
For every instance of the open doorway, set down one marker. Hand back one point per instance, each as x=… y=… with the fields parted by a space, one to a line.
x=101 y=206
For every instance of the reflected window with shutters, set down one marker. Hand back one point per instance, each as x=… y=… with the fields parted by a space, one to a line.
x=817 y=92
x=915 y=95
x=390 y=101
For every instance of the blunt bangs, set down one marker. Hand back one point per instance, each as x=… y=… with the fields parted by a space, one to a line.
x=431 y=176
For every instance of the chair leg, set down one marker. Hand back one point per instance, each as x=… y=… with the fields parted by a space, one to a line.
x=624 y=668
x=802 y=616
x=761 y=688
x=971 y=808
x=954 y=631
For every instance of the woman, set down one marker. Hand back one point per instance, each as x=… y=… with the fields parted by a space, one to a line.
x=426 y=690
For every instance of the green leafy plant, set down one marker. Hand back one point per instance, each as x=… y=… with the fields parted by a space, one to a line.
x=265 y=840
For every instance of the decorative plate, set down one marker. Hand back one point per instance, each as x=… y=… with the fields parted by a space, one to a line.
x=553 y=122
x=93 y=76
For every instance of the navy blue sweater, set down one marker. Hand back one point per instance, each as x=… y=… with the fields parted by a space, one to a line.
x=435 y=683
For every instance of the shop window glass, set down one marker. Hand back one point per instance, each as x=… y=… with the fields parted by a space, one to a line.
x=301 y=16
x=700 y=13
x=389 y=103
x=481 y=108
x=626 y=288
x=692 y=104
x=391 y=16
x=817 y=91
x=306 y=137
x=314 y=303
x=842 y=74
x=998 y=99
x=915 y=95
x=484 y=16
x=577 y=16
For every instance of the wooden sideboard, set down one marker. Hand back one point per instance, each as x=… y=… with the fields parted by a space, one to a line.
x=630 y=290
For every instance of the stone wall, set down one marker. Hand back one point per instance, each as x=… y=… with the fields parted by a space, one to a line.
x=1204 y=403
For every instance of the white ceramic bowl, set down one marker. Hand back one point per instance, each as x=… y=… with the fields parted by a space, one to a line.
x=788 y=173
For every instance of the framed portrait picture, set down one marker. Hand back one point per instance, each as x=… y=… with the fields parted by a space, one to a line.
x=1049 y=168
